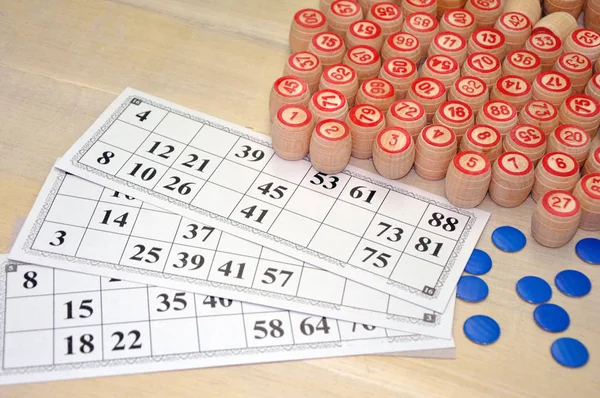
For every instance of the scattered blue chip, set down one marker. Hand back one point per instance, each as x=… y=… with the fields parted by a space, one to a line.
x=569 y=352
x=551 y=318
x=479 y=263
x=588 y=250
x=481 y=329
x=534 y=290
x=508 y=239
x=472 y=289
x=573 y=283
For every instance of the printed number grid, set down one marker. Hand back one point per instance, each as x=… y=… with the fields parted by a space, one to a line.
x=349 y=219
x=55 y=317
x=87 y=221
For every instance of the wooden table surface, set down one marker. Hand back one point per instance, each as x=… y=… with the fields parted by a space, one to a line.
x=63 y=61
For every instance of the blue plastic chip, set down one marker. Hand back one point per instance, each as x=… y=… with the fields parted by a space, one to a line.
x=588 y=250
x=551 y=318
x=508 y=239
x=479 y=263
x=481 y=329
x=534 y=290
x=573 y=283
x=471 y=288
x=569 y=352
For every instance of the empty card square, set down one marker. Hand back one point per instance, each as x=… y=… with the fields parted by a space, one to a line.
x=416 y=273
x=291 y=171
x=224 y=332
x=294 y=228
x=72 y=211
x=334 y=243
x=214 y=140
x=234 y=176
x=179 y=128
x=102 y=246
x=125 y=136
x=216 y=199
x=349 y=218
x=311 y=204
x=175 y=336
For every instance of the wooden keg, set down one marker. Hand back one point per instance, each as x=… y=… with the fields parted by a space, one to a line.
x=593 y=87
x=546 y=45
x=572 y=140
x=444 y=6
x=365 y=122
x=484 y=66
x=488 y=40
x=393 y=152
x=584 y=41
x=522 y=63
x=528 y=140
x=591 y=16
x=456 y=115
x=513 y=89
x=291 y=130
x=364 y=60
x=530 y=8
x=459 y=21
x=429 y=92
x=400 y=72
x=512 y=179
x=587 y=191
x=486 y=12
x=561 y=24
x=556 y=218
x=468 y=179
x=515 y=27
x=328 y=104
x=287 y=90
x=341 y=78
x=328 y=47
x=306 y=23
x=592 y=164
x=388 y=16
x=366 y=33
x=424 y=27
x=577 y=67
x=341 y=14
x=411 y=6
x=498 y=113
x=572 y=7
x=483 y=139
x=402 y=45
x=581 y=110
x=366 y=5
x=552 y=86
x=435 y=149
x=330 y=146
x=306 y=66
x=470 y=90
x=441 y=67
x=407 y=114
x=540 y=113
x=450 y=44
x=377 y=92
x=556 y=170
x=324 y=5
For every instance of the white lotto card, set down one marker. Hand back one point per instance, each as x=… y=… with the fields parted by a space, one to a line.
x=380 y=233
x=65 y=325
x=80 y=226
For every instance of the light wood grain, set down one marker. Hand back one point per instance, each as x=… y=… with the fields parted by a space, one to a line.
x=63 y=62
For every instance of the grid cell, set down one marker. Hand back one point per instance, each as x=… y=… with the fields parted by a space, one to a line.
x=125 y=136
x=178 y=127
x=142 y=114
x=223 y=332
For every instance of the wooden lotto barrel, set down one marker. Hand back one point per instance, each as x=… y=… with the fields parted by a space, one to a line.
x=341 y=14
x=577 y=67
x=592 y=164
x=584 y=41
x=328 y=47
x=328 y=104
x=528 y=140
x=444 y=6
x=400 y=72
x=306 y=66
x=365 y=122
x=468 y=179
x=591 y=15
x=364 y=60
x=291 y=130
x=552 y=86
x=587 y=191
x=512 y=179
x=486 y=12
x=366 y=33
x=377 y=92
x=593 y=87
x=459 y=21
x=324 y=5
x=429 y=92
x=484 y=139
x=366 y=5
x=572 y=7
x=515 y=27
x=393 y=152
x=512 y=88
x=561 y=24
x=402 y=44
x=556 y=218
x=287 y=90
x=450 y=44
x=424 y=27
x=456 y=115
x=441 y=67
x=484 y=66
x=306 y=23
x=530 y=8
x=572 y=140
x=388 y=16
x=411 y=6
x=522 y=63
x=470 y=90
x=330 y=146
x=488 y=40
x=546 y=45
x=582 y=110
x=498 y=113
x=341 y=78
x=435 y=149
x=540 y=113
x=407 y=114
x=556 y=170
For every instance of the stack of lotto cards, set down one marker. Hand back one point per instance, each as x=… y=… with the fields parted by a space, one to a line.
x=168 y=239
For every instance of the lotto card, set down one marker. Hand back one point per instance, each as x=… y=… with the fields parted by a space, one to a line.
x=380 y=233
x=79 y=226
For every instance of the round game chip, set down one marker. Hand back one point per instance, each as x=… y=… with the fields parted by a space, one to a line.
x=534 y=290
x=569 y=352
x=573 y=283
x=588 y=250
x=472 y=289
x=481 y=329
x=509 y=239
x=479 y=263
x=551 y=318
